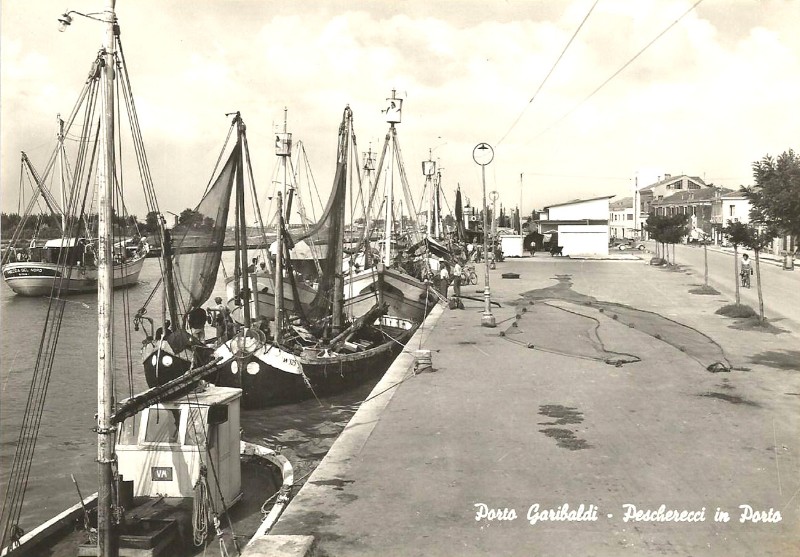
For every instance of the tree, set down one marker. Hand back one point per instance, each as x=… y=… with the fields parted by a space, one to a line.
x=738 y=234
x=187 y=215
x=667 y=229
x=775 y=197
x=151 y=222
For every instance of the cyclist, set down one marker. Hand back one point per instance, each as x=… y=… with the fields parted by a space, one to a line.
x=746 y=270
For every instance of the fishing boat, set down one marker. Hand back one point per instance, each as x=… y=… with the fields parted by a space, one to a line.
x=65 y=265
x=319 y=349
x=402 y=285
x=171 y=473
x=261 y=276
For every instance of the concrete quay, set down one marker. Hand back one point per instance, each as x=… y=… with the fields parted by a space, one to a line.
x=592 y=390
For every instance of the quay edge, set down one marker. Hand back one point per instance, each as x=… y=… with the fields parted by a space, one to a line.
x=323 y=481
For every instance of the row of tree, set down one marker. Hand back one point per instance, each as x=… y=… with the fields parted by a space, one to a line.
x=48 y=226
x=775 y=210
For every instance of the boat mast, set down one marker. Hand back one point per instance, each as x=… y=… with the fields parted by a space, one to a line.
x=337 y=321
x=428 y=170
x=245 y=291
x=61 y=174
x=393 y=110
x=279 y=272
x=106 y=528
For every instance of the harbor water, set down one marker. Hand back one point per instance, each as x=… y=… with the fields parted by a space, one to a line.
x=66 y=444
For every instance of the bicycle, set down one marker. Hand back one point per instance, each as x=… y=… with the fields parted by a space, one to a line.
x=746 y=277
x=468 y=275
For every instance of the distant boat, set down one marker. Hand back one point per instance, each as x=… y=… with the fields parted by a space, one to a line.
x=68 y=266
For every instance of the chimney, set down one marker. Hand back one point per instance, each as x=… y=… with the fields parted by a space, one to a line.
x=666 y=176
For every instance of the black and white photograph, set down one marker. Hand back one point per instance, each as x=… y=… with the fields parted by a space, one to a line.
x=400 y=278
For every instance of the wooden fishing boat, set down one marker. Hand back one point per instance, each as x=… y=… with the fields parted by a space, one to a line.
x=66 y=266
x=314 y=350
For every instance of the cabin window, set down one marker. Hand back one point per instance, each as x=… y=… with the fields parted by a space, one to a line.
x=163 y=425
x=196 y=428
x=129 y=431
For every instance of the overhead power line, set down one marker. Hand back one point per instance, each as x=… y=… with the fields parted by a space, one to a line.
x=560 y=56
x=619 y=71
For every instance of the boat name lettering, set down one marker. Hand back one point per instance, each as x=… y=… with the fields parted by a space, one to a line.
x=161 y=473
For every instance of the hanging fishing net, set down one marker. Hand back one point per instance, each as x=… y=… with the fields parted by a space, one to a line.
x=198 y=239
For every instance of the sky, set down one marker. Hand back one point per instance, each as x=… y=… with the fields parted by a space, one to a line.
x=716 y=92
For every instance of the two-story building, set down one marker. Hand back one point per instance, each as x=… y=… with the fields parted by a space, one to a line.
x=669 y=185
x=698 y=204
x=620 y=220
x=729 y=207
x=579 y=226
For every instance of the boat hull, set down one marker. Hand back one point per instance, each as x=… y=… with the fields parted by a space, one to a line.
x=271 y=376
x=42 y=279
x=262 y=304
x=406 y=297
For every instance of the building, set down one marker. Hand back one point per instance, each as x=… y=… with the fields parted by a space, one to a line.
x=579 y=226
x=620 y=224
x=698 y=204
x=731 y=206
x=669 y=185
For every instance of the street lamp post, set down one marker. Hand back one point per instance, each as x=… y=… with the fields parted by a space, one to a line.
x=483 y=154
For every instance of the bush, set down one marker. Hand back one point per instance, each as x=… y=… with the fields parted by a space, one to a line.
x=737 y=311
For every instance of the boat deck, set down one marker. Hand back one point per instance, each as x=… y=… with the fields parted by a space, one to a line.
x=245 y=518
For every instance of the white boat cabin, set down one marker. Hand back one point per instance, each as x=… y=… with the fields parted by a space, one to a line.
x=162 y=448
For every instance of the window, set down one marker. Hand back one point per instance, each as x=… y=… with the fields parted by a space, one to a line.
x=733 y=210
x=163 y=425
x=129 y=431
x=196 y=428
x=630 y=216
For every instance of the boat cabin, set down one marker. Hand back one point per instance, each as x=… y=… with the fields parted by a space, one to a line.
x=163 y=447
x=76 y=252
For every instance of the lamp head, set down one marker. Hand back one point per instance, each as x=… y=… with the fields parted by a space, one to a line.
x=64 y=21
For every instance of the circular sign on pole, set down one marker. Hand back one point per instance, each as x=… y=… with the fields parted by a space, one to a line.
x=483 y=154
x=494 y=196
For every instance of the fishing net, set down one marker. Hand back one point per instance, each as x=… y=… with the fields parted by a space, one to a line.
x=198 y=239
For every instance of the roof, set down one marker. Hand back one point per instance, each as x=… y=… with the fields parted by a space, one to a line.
x=61 y=242
x=624 y=203
x=673 y=179
x=692 y=196
x=574 y=201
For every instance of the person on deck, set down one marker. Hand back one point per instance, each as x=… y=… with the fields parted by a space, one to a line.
x=197 y=323
x=165 y=331
x=220 y=319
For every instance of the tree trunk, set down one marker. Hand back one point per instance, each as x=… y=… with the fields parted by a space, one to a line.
x=758 y=285
x=736 y=271
x=705 y=263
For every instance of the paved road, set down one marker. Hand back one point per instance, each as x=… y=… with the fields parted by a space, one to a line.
x=538 y=416
x=781 y=288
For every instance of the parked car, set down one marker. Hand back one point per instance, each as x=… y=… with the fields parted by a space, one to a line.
x=630 y=243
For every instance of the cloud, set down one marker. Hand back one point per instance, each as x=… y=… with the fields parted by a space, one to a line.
x=716 y=92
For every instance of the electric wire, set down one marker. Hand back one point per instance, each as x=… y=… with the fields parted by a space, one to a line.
x=560 y=56
x=616 y=73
